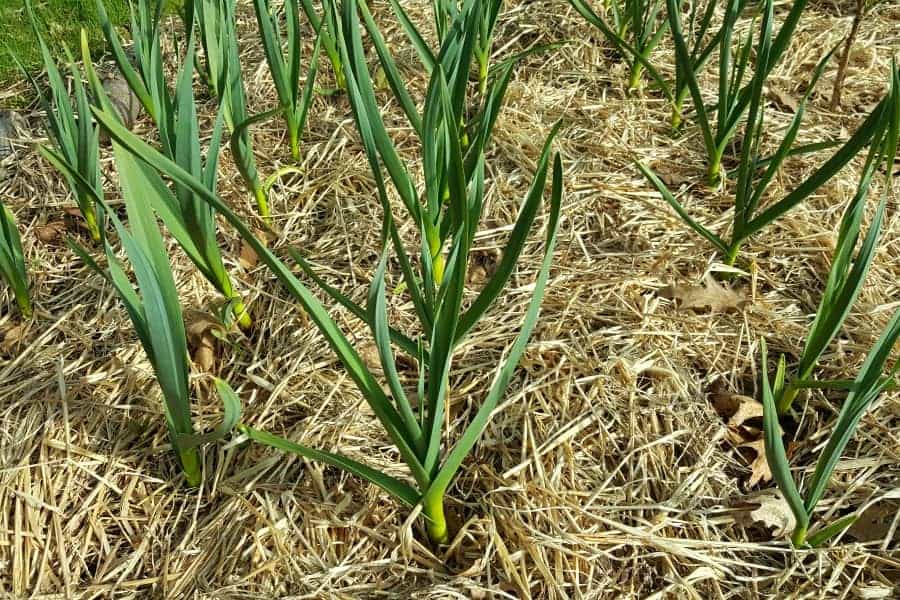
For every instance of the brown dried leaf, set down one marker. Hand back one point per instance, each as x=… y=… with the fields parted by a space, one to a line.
x=711 y=296
x=875 y=523
x=759 y=468
x=205 y=354
x=772 y=512
x=247 y=258
x=49 y=232
x=12 y=337
x=674 y=180
x=784 y=99
x=738 y=411
x=203 y=332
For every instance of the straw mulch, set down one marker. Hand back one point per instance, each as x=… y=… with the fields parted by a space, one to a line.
x=610 y=469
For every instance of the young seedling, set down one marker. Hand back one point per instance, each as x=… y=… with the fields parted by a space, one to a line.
x=449 y=213
x=12 y=261
x=190 y=220
x=755 y=174
x=735 y=59
x=74 y=134
x=155 y=313
x=845 y=279
x=633 y=27
x=864 y=390
x=286 y=71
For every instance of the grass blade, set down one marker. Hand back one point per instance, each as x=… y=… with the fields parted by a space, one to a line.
x=829 y=531
x=676 y=205
x=391 y=485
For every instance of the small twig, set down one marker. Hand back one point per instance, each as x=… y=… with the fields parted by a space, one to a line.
x=858 y=17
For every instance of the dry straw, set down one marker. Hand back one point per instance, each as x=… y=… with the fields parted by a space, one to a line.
x=593 y=457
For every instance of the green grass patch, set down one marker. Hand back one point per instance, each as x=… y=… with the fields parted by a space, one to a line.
x=61 y=22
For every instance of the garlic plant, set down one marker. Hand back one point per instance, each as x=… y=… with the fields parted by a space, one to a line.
x=74 y=134
x=750 y=213
x=447 y=213
x=633 y=27
x=216 y=24
x=327 y=41
x=735 y=60
x=848 y=272
x=841 y=290
x=286 y=70
x=12 y=261
x=190 y=220
x=155 y=312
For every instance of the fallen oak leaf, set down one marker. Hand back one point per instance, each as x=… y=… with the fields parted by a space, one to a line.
x=876 y=523
x=711 y=296
x=769 y=509
x=247 y=257
x=759 y=468
x=739 y=412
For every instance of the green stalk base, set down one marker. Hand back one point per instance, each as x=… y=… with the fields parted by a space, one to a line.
x=295 y=146
x=731 y=257
x=433 y=509
x=482 y=76
x=190 y=465
x=675 y=119
x=787 y=399
x=714 y=173
x=90 y=218
x=241 y=316
x=25 y=308
x=339 y=77
x=635 y=80
x=799 y=536
x=262 y=202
